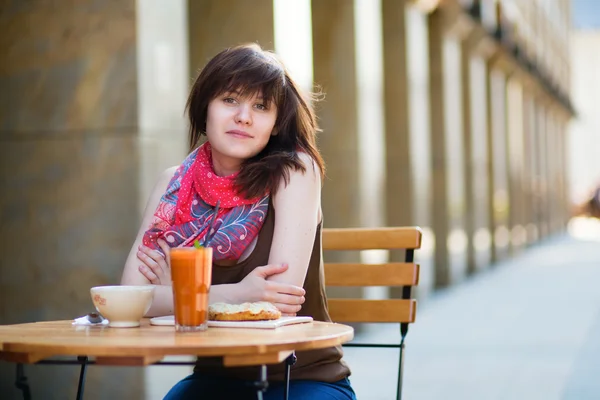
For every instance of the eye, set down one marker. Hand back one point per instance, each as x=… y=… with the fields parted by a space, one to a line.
x=229 y=100
x=261 y=107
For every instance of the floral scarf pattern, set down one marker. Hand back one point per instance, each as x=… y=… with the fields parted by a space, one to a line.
x=187 y=208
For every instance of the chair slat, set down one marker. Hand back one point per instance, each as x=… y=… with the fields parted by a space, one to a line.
x=371 y=238
x=390 y=274
x=356 y=310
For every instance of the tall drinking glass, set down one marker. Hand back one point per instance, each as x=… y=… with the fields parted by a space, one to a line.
x=191 y=272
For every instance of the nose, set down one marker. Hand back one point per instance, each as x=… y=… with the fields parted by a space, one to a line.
x=244 y=115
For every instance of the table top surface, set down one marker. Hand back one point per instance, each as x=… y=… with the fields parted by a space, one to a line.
x=147 y=344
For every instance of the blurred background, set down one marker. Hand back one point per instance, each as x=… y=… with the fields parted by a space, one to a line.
x=476 y=120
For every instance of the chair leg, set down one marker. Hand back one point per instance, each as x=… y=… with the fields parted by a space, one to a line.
x=21 y=382
x=262 y=384
x=80 y=387
x=400 y=371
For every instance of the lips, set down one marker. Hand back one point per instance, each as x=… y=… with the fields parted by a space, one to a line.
x=239 y=134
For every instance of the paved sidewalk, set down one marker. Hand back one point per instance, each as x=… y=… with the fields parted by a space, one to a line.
x=528 y=328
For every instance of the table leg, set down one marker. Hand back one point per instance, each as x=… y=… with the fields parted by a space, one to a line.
x=83 y=360
x=291 y=360
x=21 y=382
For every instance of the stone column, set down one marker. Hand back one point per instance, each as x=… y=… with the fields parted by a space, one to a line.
x=215 y=25
x=335 y=72
x=565 y=198
x=534 y=227
x=407 y=141
x=69 y=172
x=523 y=188
x=516 y=158
x=448 y=211
x=551 y=170
x=541 y=186
x=163 y=86
x=497 y=143
x=475 y=50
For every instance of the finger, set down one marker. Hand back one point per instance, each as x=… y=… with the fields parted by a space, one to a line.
x=271 y=269
x=147 y=272
x=288 y=314
x=152 y=265
x=149 y=261
x=287 y=309
x=153 y=254
x=287 y=299
x=166 y=250
x=285 y=288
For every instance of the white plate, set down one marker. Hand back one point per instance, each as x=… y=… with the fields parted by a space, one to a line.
x=169 y=320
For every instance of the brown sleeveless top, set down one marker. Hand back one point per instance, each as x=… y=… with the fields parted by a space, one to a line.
x=319 y=365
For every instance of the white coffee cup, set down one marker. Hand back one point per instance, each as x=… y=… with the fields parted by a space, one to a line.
x=123 y=306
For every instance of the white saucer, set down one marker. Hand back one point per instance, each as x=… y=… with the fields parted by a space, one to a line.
x=169 y=320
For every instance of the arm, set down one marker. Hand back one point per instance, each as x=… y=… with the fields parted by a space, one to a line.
x=163 y=295
x=298 y=212
x=131 y=274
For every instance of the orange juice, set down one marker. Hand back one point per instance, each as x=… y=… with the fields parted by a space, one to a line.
x=191 y=272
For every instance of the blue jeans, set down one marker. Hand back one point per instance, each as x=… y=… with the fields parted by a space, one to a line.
x=202 y=387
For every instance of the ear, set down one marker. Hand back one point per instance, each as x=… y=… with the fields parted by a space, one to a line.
x=274 y=132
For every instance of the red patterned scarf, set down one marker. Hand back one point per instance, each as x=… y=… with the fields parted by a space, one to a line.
x=187 y=208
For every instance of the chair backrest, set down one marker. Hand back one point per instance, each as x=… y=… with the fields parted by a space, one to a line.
x=405 y=274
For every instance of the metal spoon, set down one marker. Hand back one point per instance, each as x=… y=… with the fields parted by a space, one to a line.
x=94 y=318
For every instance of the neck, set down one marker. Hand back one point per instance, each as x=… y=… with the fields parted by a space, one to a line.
x=224 y=166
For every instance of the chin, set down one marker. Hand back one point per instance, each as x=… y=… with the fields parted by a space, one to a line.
x=239 y=154
x=236 y=150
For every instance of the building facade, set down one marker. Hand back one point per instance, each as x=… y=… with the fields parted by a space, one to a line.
x=450 y=115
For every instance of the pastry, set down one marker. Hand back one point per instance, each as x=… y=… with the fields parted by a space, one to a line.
x=258 y=311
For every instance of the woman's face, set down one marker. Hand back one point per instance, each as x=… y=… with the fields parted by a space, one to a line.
x=239 y=127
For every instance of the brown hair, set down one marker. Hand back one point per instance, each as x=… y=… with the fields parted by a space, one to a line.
x=249 y=69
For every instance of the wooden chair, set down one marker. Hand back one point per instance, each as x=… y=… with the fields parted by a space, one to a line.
x=406 y=275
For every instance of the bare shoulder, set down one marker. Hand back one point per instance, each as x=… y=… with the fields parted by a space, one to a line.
x=301 y=184
x=310 y=176
x=309 y=163
x=162 y=183
x=166 y=176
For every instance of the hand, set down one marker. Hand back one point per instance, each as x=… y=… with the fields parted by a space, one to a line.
x=255 y=287
x=155 y=266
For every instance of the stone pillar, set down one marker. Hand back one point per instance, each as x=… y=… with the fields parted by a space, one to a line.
x=565 y=198
x=69 y=173
x=476 y=48
x=215 y=25
x=551 y=170
x=335 y=72
x=448 y=210
x=490 y=161
x=163 y=86
x=516 y=158
x=527 y=176
x=535 y=161
x=562 y=209
x=540 y=167
x=497 y=132
x=407 y=142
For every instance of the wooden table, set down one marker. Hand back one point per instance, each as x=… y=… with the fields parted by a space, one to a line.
x=148 y=344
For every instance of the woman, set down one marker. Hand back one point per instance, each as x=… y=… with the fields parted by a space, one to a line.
x=261 y=163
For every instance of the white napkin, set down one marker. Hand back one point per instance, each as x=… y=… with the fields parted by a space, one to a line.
x=85 y=321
